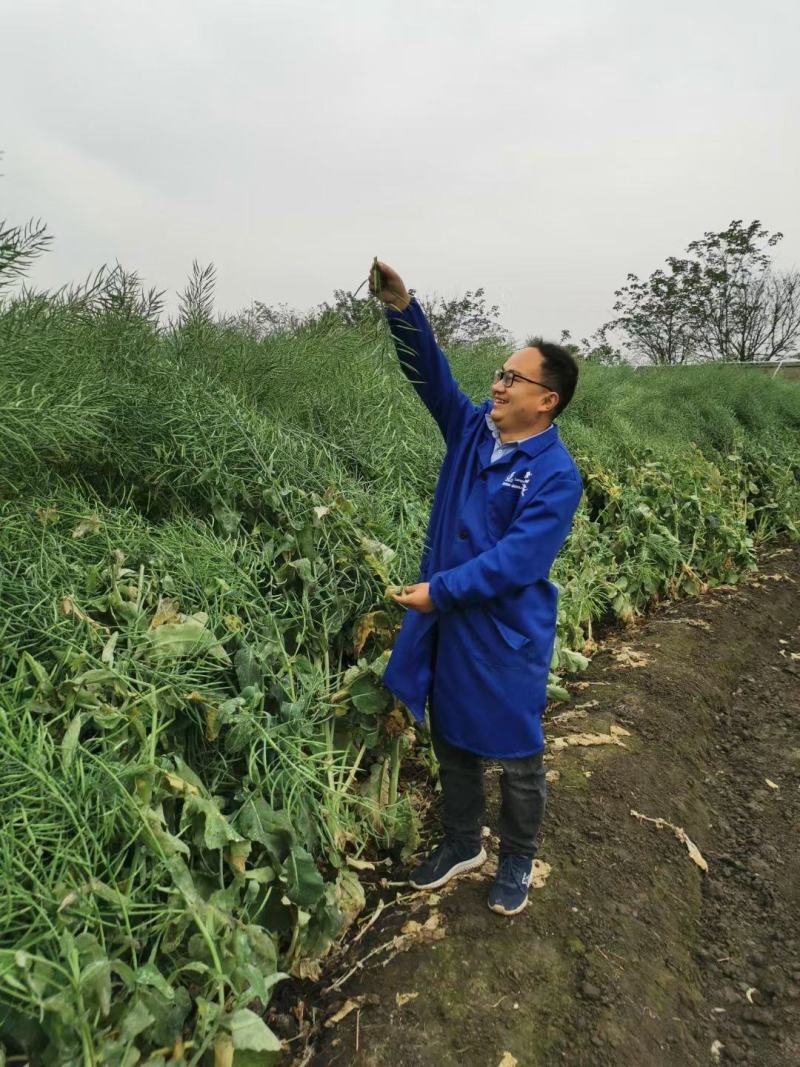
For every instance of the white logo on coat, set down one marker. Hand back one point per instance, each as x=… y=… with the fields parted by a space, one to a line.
x=519 y=480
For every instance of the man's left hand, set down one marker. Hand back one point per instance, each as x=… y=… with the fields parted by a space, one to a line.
x=416 y=597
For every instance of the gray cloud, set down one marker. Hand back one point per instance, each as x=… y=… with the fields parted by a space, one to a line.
x=540 y=151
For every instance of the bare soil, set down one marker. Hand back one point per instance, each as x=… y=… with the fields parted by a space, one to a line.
x=629 y=953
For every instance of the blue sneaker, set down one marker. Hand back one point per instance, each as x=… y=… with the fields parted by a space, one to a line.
x=447 y=860
x=509 y=892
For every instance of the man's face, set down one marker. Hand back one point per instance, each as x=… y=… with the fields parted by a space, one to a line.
x=523 y=406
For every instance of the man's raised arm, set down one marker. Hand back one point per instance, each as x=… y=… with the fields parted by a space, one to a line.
x=421 y=359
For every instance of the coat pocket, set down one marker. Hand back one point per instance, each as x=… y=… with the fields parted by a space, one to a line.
x=513 y=638
x=476 y=634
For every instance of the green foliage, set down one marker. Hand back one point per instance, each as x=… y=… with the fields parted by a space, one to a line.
x=721 y=301
x=197 y=526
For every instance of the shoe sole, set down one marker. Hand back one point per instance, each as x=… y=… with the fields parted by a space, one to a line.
x=508 y=911
x=454 y=872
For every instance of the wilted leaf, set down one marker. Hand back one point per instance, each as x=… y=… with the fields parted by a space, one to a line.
x=67 y=606
x=629 y=657
x=237 y=855
x=431 y=930
x=540 y=873
x=191 y=637
x=403 y=998
x=351 y=1004
x=180 y=785
x=223 y=1051
x=350 y=898
x=47 y=516
x=167 y=611
x=307 y=969
x=378 y=556
x=376 y=623
x=359 y=865
x=87 y=526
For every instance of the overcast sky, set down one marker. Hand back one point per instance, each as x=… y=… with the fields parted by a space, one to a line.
x=540 y=150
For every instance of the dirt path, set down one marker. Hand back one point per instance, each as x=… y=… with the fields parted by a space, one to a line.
x=629 y=954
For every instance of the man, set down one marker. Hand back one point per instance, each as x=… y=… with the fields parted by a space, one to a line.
x=479 y=637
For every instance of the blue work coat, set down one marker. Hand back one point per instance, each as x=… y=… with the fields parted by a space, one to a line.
x=483 y=656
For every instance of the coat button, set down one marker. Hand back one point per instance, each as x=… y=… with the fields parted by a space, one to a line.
x=462 y=534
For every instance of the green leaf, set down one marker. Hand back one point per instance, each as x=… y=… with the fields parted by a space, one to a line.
x=107 y=655
x=169 y=844
x=42 y=678
x=216 y=830
x=249 y=669
x=69 y=742
x=260 y=822
x=95 y=980
x=304 y=883
x=260 y=875
x=136 y=1020
x=574 y=661
x=368 y=697
x=227 y=518
x=250 y=1032
x=261 y=945
x=149 y=975
x=169 y=1015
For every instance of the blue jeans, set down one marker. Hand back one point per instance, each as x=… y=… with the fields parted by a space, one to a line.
x=523 y=789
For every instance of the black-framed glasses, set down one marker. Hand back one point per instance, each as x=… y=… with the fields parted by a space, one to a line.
x=508 y=377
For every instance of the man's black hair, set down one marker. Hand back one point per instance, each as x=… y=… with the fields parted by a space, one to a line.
x=560 y=372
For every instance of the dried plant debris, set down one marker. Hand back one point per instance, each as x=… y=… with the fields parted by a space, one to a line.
x=625 y=656
x=401 y=999
x=614 y=737
x=680 y=833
